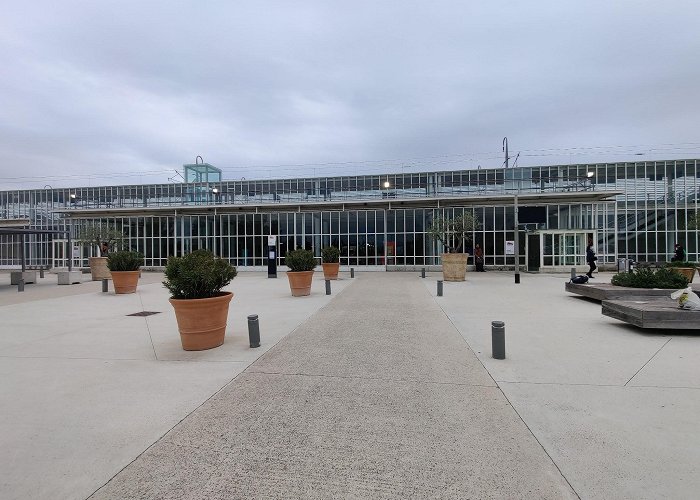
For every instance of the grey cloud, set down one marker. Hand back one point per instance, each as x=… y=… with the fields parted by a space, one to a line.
x=98 y=88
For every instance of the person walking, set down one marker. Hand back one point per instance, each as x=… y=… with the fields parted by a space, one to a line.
x=591 y=258
x=479 y=258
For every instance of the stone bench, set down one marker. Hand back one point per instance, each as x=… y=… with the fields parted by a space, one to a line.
x=608 y=291
x=26 y=276
x=69 y=277
x=652 y=313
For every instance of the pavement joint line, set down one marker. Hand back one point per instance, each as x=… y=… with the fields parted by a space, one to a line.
x=648 y=361
x=566 y=384
x=599 y=385
x=357 y=377
x=224 y=386
x=148 y=328
x=540 y=443
x=459 y=333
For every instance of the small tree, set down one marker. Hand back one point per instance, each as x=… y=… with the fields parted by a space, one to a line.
x=453 y=233
x=103 y=236
x=330 y=255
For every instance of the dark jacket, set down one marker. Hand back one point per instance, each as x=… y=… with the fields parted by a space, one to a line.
x=590 y=254
x=679 y=255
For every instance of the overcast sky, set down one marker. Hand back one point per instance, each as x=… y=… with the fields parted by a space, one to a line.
x=120 y=92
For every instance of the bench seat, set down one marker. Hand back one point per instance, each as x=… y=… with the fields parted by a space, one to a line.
x=652 y=313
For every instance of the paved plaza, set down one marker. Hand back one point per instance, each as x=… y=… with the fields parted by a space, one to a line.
x=381 y=390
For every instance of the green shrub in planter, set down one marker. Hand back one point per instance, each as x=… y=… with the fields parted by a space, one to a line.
x=300 y=260
x=648 y=278
x=676 y=263
x=197 y=275
x=330 y=255
x=124 y=260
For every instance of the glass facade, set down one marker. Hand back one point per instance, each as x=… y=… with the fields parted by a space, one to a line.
x=633 y=210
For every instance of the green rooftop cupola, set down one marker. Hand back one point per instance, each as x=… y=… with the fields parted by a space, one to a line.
x=201 y=172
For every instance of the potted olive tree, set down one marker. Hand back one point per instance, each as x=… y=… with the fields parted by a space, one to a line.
x=453 y=233
x=331 y=262
x=103 y=237
x=301 y=264
x=125 y=269
x=195 y=282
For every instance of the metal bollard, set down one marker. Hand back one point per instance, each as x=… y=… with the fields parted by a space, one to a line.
x=439 y=288
x=105 y=285
x=254 y=330
x=422 y=272
x=352 y=272
x=328 y=287
x=498 y=339
x=20 y=285
x=41 y=272
x=573 y=272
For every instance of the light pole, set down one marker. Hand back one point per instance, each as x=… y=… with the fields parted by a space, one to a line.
x=517 y=239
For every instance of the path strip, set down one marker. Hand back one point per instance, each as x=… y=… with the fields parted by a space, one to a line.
x=375 y=396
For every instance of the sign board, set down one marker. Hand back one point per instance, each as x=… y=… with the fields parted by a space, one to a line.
x=76 y=252
x=510 y=247
x=271 y=241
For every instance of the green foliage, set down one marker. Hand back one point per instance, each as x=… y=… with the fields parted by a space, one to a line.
x=197 y=275
x=452 y=233
x=103 y=236
x=124 y=261
x=330 y=255
x=694 y=222
x=675 y=263
x=648 y=278
x=300 y=260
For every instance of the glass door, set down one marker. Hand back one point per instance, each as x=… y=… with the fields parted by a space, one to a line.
x=564 y=249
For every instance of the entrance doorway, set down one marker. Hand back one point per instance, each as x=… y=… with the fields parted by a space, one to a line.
x=534 y=255
x=564 y=248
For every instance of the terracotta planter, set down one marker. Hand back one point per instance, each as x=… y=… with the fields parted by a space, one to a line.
x=688 y=272
x=300 y=282
x=202 y=322
x=330 y=270
x=125 y=281
x=99 y=269
x=454 y=266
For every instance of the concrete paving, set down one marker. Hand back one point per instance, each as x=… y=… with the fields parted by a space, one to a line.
x=615 y=406
x=85 y=389
x=381 y=391
x=375 y=396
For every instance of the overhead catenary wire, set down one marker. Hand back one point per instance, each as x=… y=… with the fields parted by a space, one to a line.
x=427 y=163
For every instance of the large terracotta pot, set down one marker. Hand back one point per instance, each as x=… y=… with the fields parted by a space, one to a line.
x=454 y=266
x=125 y=281
x=330 y=270
x=300 y=282
x=202 y=322
x=99 y=269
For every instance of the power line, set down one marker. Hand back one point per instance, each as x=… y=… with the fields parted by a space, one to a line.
x=420 y=162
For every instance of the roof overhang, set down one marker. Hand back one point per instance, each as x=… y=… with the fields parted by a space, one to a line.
x=17 y=230
x=21 y=222
x=524 y=199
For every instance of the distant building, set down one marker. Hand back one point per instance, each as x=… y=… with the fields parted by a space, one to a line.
x=634 y=210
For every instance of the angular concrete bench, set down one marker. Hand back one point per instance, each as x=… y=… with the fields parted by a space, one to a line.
x=652 y=313
x=608 y=291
